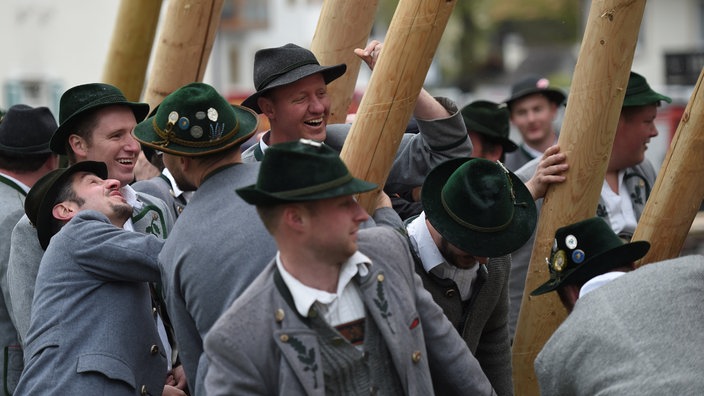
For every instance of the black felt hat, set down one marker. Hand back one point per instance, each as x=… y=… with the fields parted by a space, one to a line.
x=25 y=130
x=489 y=119
x=587 y=249
x=533 y=84
x=274 y=67
x=40 y=199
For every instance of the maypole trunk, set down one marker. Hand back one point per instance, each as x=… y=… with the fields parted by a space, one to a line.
x=343 y=26
x=387 y=105
x=586 y=137
x=679 y=188
x=131 y=46
x=184 y=46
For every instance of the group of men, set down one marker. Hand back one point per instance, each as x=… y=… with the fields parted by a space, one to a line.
x=272 y=279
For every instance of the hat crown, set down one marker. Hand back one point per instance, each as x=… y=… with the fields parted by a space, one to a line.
x=479 y=195
x=27 y=130
x=639 y=92
x=535 y=85
x=81 y=96
x=487 y=118
x=271 y=63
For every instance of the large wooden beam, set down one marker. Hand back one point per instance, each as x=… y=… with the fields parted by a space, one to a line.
x=409 y=47
x=131 y=46
x=183 y=47
x=343 y=26
x=587 y=134
x=679 y=188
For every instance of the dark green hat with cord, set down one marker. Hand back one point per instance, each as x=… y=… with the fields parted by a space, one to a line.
x=587 y=249
x=195 y=120
x=491 y=120
x=302 y=170
x=535 y=85
x=84 y=98
x=639 y=93
x=40 y=199
x=479 y=206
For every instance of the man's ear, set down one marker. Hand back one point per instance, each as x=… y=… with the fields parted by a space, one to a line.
x=295 y=217
x=78 y=145
x=64 y=211
x=266 y=106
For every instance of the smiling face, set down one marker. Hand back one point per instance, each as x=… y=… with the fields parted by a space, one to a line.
x=636 y=126
x=297 y=110
x=110 y=141
x=90 y=192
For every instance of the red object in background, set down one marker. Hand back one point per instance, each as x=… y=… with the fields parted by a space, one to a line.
x=673 y=114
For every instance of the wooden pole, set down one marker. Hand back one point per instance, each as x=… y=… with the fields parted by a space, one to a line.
x=131 y=46
x=587 y=135
x=411 y=41
x=343 y=26
x=679 y=188
x=183 y=48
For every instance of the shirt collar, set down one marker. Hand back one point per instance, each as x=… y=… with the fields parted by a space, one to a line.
x=305 y=296
x=174 y=187
x=423 y=244
x=19 y=183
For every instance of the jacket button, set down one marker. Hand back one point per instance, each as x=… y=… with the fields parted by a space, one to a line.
x=143 y=390
x=284 y=337
x=415 y=357
x=154 y=350
x=154 y=311
x=449 y=293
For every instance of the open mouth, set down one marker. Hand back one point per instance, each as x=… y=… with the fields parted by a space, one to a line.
x=314 y=123
x=125 y=161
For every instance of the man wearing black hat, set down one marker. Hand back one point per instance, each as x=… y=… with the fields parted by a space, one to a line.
x=92 y=328
x=339 y=310
x=95 y=124
x=628 y=332
x=24 y=158
x=292 y=93
x=627 y=183
x=533 y=106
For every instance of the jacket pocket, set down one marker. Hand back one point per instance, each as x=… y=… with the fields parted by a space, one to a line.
x=13 y=365
x=109 y=366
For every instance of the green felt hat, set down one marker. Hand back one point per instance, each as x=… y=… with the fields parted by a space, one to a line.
x=196 y=120
x=84 y=98
x=489 y=119
x=587 y=249
x=303 y=170
x=534 y=84
x=479 y=206
x=40 y=199
x=639 y=93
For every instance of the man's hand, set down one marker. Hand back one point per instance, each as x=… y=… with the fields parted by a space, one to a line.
x=370 y=54
x=551 y=169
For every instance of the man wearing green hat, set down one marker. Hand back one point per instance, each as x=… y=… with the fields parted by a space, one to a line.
x=488 y=128
x=217 y=247
x=291 y=91
x=339 y=310
x=95 y=124
x=628 y=332
x=627 y=183
x=92 y=328
x=476 y=212
x=24 y=158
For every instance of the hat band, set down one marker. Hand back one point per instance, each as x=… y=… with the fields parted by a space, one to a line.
x=315 y=189
x=170 y=137
x=283 y=71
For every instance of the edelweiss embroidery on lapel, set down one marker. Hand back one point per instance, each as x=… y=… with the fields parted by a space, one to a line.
x=381 y=302
x=305 y=357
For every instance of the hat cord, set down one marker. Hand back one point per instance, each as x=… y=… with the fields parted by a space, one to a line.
x=170 y=137
x=314 y=189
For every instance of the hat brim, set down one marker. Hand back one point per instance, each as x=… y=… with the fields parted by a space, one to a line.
x=254 y=196
x=58 y=139
x=553 y=95
x=144 y=132
x=597 y=265
x=330 y=74
x=483 y=244
x=651 y=97
x=45 y=218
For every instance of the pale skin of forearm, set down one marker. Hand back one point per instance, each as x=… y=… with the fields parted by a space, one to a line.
x=426 y=108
